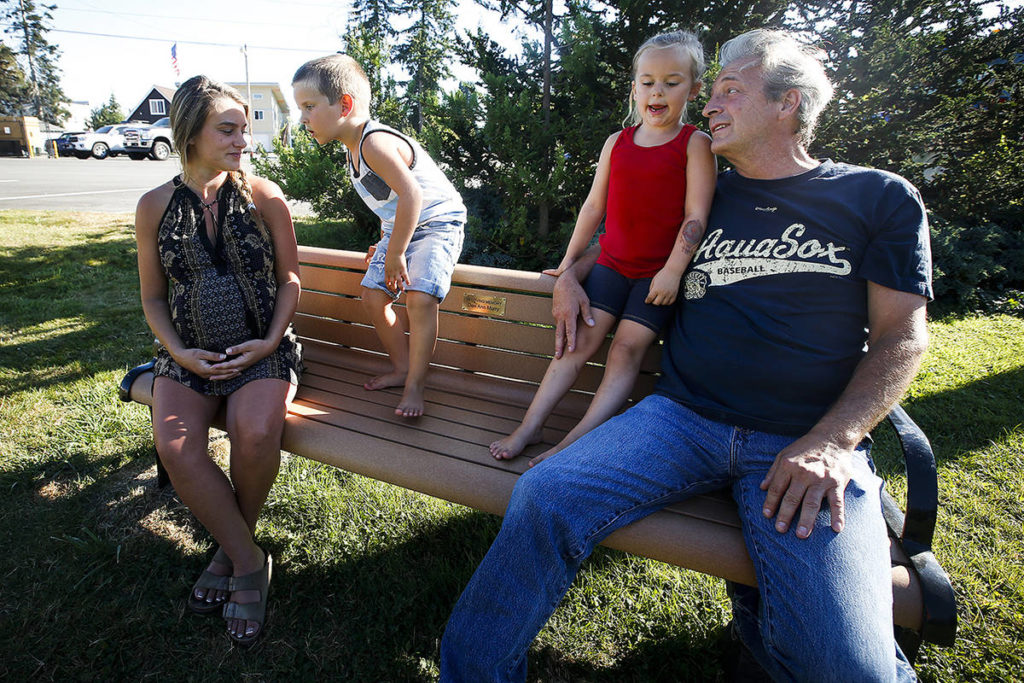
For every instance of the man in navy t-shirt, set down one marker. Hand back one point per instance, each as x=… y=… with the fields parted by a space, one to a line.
x=803 y=324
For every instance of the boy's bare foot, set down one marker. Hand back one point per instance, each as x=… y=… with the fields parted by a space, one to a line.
x=411 y=404
x=391 y=379
x=513 y=444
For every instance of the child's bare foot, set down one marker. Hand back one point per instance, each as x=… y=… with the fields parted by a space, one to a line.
x=391 y=379
x=569 y=438
x=545 y=455
x=411 y=404
x=513 y=444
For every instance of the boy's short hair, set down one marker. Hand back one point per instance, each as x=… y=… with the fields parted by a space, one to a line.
x=336 y=75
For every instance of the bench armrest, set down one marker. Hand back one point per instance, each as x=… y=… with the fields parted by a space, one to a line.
x=124 y=391
x=922 y=484
x=915 y=529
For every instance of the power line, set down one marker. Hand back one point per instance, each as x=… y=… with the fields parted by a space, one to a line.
x=194 y=42
x=167 y=16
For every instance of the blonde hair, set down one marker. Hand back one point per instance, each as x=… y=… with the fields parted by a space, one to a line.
x=190 y=107
x=786 y=64
x=336 y=75
x=691 y=48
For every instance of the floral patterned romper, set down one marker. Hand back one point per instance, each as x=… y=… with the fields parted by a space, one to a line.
x=221 y=293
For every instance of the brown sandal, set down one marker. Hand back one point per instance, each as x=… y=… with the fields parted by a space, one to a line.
x=250 y=611
x=211 y=582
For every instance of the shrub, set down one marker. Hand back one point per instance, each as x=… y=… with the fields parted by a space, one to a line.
x=310 y=173
x=978 y=266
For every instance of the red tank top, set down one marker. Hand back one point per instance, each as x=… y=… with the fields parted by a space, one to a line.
x=646 y=203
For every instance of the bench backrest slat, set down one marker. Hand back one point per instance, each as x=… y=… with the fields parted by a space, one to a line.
x=494 y=320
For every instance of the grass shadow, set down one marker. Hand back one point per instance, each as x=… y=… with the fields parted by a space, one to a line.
x=111 y=584
x=70 y=311
x=970 y=416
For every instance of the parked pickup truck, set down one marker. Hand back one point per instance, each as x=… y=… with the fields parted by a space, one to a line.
x=149 y=141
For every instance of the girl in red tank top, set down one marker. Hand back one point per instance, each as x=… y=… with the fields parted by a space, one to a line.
x=653 y=189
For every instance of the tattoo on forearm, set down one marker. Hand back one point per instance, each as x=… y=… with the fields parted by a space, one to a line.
x=690 y=237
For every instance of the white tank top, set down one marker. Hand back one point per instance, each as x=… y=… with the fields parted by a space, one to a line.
x=441 y=201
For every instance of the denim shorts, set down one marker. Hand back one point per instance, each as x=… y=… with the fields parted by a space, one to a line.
x=430 y=258
x=624 y=297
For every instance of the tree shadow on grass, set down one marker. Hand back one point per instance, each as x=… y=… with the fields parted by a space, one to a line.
x=77 y=307
x=104 y=597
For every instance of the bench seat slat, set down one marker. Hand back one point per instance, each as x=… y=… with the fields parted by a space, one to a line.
x=497 y=418
x=701 y=533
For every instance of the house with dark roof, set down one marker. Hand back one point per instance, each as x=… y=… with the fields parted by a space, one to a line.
x=155 y=105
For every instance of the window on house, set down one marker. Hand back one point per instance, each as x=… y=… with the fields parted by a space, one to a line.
x=158 y=107
x=257 y=115
x=257 y=96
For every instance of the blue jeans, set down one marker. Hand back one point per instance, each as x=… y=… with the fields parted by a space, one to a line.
x=825 y=607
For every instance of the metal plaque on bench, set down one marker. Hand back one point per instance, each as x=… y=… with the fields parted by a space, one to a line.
x=483 y=304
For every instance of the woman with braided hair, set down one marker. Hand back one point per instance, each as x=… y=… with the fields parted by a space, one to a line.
x=218 y=269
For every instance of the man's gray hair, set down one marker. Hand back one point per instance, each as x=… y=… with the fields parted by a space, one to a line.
x=786 y=64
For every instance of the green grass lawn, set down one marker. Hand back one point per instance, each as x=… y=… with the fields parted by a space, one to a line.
x=97 y=562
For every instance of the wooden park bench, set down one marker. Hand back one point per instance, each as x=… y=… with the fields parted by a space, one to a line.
x=495 y=340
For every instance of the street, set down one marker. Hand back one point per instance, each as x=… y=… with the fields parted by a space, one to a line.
x=70 y=184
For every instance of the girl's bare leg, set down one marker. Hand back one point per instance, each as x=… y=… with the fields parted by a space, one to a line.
x=181 y=426
x=422 y=308
x=255 y=421
x=559 y=378
x=379 y=306
x=621 y=370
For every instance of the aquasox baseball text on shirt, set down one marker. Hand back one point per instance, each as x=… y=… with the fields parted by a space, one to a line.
x=774 y=318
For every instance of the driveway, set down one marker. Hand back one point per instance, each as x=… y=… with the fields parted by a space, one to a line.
x=69 y=184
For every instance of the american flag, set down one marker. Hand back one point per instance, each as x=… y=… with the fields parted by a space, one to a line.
x=174 y=59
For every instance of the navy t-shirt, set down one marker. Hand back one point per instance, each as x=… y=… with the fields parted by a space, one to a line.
x=775 y=312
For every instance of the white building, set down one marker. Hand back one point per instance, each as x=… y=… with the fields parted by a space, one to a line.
x=269 y=112
x=78 y=119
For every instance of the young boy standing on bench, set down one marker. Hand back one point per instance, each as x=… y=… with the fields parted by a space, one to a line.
x=422 y=218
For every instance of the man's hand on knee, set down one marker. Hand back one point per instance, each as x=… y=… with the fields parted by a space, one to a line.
x=803 y=474
x=569 y=304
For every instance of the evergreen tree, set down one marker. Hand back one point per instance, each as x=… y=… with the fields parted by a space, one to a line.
x=539 y=14
x=27 y=23
x=369 y=41
x=15 y=94
x=933 y=91
x=426 y=53
x=110 y=112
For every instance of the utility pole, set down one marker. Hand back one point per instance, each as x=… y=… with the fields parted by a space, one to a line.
x=248 y=92
x=29 y=48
